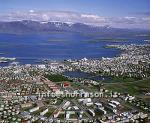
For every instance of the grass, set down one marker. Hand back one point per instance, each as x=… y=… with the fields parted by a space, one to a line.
x=49 y=113
x=114 y=79
x=76 y=84
x=38 y=121
x=73 y=116
x=98 y=113
x=59 y=101
x=134 y=88
x=61 y=116
x=38 y=111
x=122 y=79
x=27 y=108
x=57 y=78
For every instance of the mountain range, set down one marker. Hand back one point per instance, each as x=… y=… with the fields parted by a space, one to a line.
x=30 y=26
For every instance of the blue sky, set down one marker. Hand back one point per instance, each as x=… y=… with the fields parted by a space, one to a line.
x=118 y=13
x=100 y=7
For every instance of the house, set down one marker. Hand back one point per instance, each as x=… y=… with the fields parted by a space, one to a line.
x=25 y=105
x=66 y=84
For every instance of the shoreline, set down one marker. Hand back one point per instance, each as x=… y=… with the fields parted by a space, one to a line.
x=41 y=60
x=115 y=66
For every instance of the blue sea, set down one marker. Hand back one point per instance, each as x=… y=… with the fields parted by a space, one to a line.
x=31 y=48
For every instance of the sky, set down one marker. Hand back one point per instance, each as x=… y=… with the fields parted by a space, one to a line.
x=131 y=13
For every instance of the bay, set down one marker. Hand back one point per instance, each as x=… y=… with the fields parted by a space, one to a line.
x=30 y=48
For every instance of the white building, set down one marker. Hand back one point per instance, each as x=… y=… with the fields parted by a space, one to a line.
x=34 y=109
x=44 y=112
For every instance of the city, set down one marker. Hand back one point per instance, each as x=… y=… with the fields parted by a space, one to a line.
x=42 y=93
x=74 y=61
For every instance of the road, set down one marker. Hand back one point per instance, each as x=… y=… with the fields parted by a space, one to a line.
x=83 y=109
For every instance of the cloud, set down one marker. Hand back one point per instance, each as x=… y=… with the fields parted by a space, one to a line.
x=31 y=11
x=90 y=16
x=45 y=17
x=74 y=17
x=143 y=13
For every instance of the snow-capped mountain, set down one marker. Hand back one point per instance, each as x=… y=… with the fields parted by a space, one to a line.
x=75 y=17
x=29 y=26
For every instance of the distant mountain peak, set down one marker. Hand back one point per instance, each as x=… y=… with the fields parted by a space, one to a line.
x=30 y=26
x=74 y=17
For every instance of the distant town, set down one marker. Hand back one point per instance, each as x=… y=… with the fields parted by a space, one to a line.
x=42 y=92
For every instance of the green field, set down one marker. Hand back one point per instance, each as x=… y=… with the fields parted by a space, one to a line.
x=49 y=113
x=122 y=79
x=135 y=88
x=57 y=78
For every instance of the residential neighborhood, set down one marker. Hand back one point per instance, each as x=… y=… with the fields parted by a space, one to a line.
x=42 y=93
